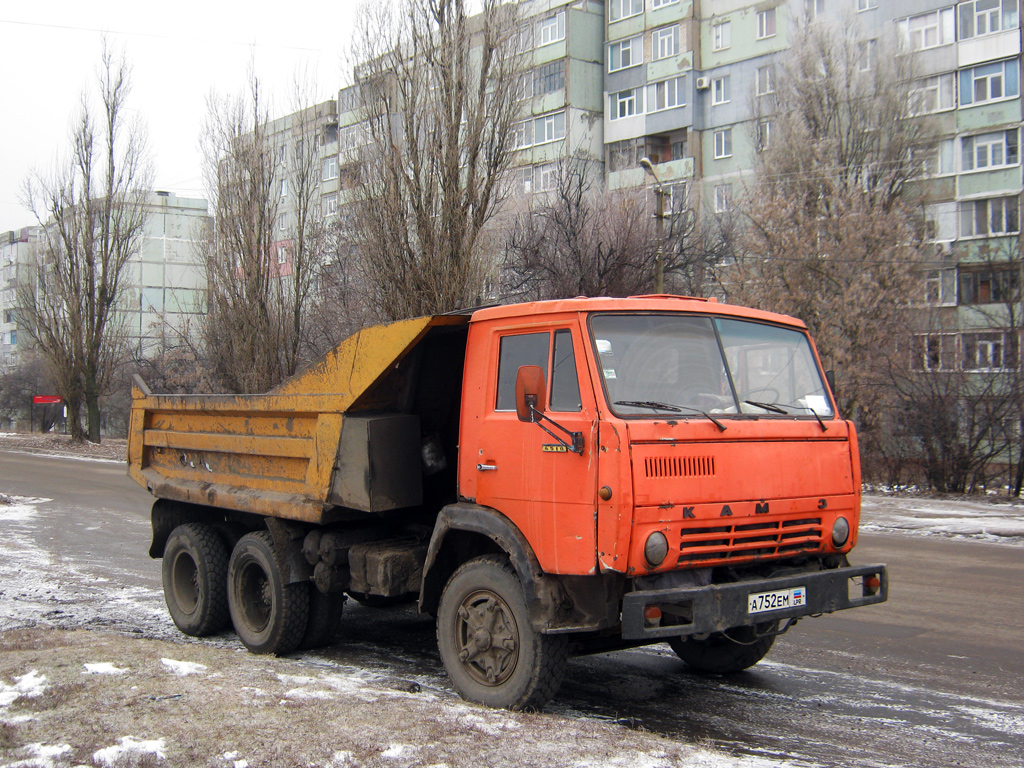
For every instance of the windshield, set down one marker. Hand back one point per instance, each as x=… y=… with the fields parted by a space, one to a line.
x=656 y=364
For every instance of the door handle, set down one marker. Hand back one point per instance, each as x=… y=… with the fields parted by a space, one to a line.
x=487 y=467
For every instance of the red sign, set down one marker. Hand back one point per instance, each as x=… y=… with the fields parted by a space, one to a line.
x=47 y=399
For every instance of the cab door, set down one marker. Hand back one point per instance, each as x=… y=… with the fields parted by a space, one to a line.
x=524 y=472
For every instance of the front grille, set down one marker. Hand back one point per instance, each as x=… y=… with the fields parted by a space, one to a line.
x=749 y=541
x=679 y=466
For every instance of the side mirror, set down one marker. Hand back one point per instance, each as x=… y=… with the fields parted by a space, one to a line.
x=530 y=390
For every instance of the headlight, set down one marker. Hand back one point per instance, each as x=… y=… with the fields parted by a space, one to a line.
x=655 y=549
x=840 y=532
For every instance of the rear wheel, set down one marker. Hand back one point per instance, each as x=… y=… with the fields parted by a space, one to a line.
x=724 y=653
x=269 y=615
x=490 y=650
x=194 y=573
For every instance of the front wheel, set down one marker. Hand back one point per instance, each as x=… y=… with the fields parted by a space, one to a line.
x=490 y=650
x=725 y=653
x=269 y=615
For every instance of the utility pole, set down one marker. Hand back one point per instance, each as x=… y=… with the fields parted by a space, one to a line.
x=659 y=215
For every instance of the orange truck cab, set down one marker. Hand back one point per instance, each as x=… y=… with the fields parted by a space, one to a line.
x=596 y=474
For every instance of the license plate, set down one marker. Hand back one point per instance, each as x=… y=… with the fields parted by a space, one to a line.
x=778 y=600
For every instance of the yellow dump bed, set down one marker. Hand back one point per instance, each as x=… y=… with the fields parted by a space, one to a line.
x=280 y=453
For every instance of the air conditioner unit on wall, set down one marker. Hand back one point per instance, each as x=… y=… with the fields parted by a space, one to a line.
x=703 y=83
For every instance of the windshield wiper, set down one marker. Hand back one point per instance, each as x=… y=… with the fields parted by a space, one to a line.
x=658 y=406
x=780 y=408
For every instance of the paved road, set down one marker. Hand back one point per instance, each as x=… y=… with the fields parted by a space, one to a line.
x=935 y=677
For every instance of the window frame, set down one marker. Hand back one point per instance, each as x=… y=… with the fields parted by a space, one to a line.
x=720 y=90
x=1008 y=77
x=972 y=213
x=627 y=9
x=555 y=21
x=631 y=44
x=659 y=37
x=767 y=24
x=723 y=143
x=1010 y=149
x=678 y=87
x=967 y=21
x=769 y=80
x=617 y=99
x=944 y=27
x=721 y=35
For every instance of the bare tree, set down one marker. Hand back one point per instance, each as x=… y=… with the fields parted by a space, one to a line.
x=832 y=235
x=92 y=211
x=263 y=252
x=439 y=92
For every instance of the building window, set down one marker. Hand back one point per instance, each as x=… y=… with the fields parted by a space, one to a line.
x=330 y=168
x=928 y=30
x=723 y=198
x=666 y=94
x=764 y=80
x=764 y=134
x=720 y=90
x=766 y=24
x=989 y=82
x=996 y=216
x=983 y=17
x=867 y=50
x=661 y=3
x=329 y=205
x=935 y=161
x=940 y=288
x=549 y=128
x=284 y=187
x=721 y=36
x=622 y=9
x=933 y=94
x=626 y=103
x=546 y=177
x=937 y=352
x=813 y=9
x=990 y=150
x=866 y=5
x=625 y=53
x=992 y=284
x=551 y=29
x=549 y=77
x=282 y=221
x=666 y=42
x=282 y=254
x=723 y=143
x=988 y=351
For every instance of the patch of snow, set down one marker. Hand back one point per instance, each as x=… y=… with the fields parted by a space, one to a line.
x=27 y=686
x=103 y=668
x=129 y=746
x=953 y=518
x=343 y=758
x=397 y=751
x=42 y=756
x=183 y=668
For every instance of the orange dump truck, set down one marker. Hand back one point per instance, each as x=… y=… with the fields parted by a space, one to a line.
x=546 y=479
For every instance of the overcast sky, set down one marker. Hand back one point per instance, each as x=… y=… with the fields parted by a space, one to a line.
x=179 y=52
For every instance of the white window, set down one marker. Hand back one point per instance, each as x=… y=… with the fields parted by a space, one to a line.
x=625 y=53
x=329 y=204
x=282 y=254
x=549 y=128
x=626 y=103
x=987 y=351
x=546 y=177
x=996 y=216
x=937 y=352
x=928 y=30
x=764 y=134
x=764 y=80
x=330 y=168
x=284 y=187
x=935 y=161
x=666 y=42
x=282 y=221
x=622 y=9
x=933 y=94
x=983 y=17
x=867 y=50
x=723 y=143
x=990 y=150
x=660 y=3
x=551 y=29
x=866 y=5
x=723 y=198
x=766 y=24
x=989 y=82
x=721 y=36
x=666 y=94
x=524 y=176
x=813 y=9
x=720 y=90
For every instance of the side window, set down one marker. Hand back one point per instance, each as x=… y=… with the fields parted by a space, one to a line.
x=517 y=351
x=565 y=385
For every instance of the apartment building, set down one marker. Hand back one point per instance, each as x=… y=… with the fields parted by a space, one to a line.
x=17 y=248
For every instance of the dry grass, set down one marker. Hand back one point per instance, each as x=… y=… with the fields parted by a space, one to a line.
x=273 y=712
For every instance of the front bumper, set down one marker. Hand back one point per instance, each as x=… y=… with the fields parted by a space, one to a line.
x=718 y=607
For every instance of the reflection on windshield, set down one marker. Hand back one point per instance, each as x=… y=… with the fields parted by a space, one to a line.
x=705 y=364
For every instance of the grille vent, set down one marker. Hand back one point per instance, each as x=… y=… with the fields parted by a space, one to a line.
x=679 y=466
x=769 y=538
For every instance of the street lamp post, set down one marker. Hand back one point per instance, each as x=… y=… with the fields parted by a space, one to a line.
x=659 y=215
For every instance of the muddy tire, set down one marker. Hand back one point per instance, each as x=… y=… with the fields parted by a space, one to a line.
x=194 y=573
x=718 y=655
x=269 y=615
x=490 y=650
x=324 y=618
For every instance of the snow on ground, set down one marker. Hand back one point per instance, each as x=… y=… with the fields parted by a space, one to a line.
x=129 y=747
x=980 y=519
x=182 y=668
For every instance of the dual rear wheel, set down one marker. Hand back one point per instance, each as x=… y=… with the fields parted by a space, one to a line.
x=206 y=589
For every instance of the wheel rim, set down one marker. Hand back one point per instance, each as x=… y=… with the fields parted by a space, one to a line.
x=185 y=582
x=256 y=598
x=487 y=638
